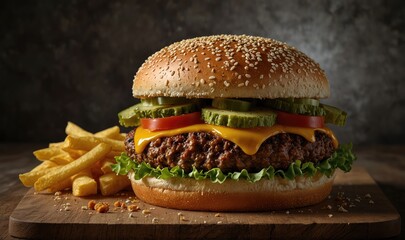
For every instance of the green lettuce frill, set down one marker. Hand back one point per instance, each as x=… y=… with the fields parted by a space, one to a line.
x=342 y=158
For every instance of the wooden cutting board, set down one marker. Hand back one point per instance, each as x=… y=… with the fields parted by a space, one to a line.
x=366 y=213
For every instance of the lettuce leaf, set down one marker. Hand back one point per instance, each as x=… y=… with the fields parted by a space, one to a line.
x=342 y=158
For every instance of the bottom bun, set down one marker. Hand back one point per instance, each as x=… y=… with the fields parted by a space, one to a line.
x=232 y=195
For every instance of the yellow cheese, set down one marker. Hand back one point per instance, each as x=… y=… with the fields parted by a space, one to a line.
x=248 y=139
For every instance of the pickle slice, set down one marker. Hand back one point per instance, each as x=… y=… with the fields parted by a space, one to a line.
x=293 y=107
x=231 y=104
x=255 y=118
x=334 y=115
x=305 y=101
x=164 y=101
x=149 y=102
x=131 y=116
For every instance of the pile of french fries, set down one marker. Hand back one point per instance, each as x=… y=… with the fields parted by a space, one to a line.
x=81 y=163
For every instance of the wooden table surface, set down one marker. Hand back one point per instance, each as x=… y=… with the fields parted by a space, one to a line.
x=386 y=164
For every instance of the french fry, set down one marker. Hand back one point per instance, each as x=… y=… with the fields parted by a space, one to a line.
x=111 y=183
x=120 y=137
x=83 y=184
x=96 y=171
x=56 y=155
x=57 y=145
x=105 y=165
x=62 y=185
x=73 y=129
x=47 y=153
x=62 y=159
x=44 y=165
x=113 y=154
x=29 y=178
x=89 y=142
x=85 y=161
x=74 y=153
x=111 y=132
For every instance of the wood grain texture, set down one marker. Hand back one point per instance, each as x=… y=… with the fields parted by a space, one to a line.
x=370 y=215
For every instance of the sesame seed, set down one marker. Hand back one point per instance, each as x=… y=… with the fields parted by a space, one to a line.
x=210 y=77
x=246 y=82
x=218 y=59
x=202 y=81
x=247 y=75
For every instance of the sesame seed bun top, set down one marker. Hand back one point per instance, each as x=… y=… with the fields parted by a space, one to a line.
x=230 y=66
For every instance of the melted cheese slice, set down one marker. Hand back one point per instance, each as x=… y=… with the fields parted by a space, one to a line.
x=248 y=139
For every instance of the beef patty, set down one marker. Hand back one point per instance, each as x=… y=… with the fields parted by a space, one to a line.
x=204 y=151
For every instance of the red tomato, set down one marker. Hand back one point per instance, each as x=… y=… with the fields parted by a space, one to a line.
x=158 y=124
x=297 y=120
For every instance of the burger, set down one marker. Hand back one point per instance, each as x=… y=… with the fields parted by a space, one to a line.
x=231 y=123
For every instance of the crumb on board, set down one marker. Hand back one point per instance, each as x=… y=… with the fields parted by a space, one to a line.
x=118 y=204
x=184 y=219
x=342 y=209
x=146 y=211
x=91 y=204
x=102 y=207
x=133 y=208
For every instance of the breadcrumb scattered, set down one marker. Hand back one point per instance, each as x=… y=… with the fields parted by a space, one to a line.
x=102 y=207
x=146 y=211
x=91 y=204
x=342 y=209
x=184 y=219
x=133 y=208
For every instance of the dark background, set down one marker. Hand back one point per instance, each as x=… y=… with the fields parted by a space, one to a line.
x=75 y=60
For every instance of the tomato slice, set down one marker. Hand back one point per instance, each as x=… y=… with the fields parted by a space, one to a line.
x=158 y=124
x=297 y=120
